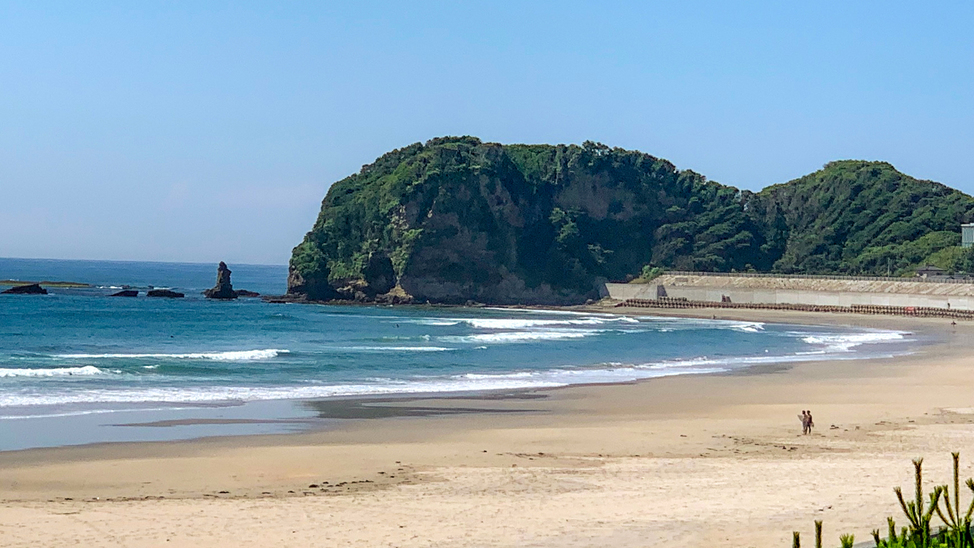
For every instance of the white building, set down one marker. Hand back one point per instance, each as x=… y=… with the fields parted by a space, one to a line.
x=967 y=235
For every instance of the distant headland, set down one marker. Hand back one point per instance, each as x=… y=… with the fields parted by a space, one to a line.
x=456 y=220
x=62 y=285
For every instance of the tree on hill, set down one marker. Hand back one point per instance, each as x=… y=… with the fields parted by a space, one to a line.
x=457 y=219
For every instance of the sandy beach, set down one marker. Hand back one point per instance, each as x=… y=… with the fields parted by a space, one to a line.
x=707 y=460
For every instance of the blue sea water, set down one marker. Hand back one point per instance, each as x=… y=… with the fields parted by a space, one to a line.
x=72 y=359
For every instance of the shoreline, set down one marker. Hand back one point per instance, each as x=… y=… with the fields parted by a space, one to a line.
x=133 y=423
x=618 y=461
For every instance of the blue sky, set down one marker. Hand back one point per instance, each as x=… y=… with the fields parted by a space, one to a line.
x=207 y=131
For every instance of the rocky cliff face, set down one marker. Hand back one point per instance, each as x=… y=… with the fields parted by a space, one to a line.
x=456 y=220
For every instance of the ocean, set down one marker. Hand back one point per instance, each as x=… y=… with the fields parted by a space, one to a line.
x=78 y=366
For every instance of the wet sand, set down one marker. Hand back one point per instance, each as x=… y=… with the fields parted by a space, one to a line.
x=708 y=460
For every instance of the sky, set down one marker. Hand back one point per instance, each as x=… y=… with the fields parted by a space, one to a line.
x=207 y=131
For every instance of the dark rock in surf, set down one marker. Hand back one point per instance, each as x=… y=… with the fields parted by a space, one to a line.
x=165 y=293
x=223 y=289
x=29 y=289
x=245 y=293
x=126 y=293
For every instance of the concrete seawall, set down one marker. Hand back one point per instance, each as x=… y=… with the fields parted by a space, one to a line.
x=804 y=291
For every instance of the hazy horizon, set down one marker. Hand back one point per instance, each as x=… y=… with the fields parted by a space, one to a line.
x=193 y=133
x=210 y=263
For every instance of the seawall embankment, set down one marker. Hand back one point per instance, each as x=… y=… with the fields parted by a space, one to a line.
x=807 y=291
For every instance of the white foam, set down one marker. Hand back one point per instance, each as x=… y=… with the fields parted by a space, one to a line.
x=666 y=324
x=474 y=381
x=551 y=312
x=513 y=323
x=232 y=355
x=393 y=348
x=845 y=342
x=518 y=336
x=747 y=327
x=54 y=372
x=522 y=323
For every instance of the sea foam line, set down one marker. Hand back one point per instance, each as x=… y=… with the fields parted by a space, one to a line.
x=391 y=349
x=86 y=370
x=232 y=355
x=611 y=372
x=847 y=341
x=520 y=323
x=517 y=336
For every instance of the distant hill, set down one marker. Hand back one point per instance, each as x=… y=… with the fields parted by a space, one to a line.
x=456 y=219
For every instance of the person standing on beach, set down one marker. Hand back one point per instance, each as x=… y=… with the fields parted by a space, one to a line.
x=804 y=418
x=811 y=423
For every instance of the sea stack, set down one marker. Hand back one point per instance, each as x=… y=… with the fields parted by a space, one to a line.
x=223 y=288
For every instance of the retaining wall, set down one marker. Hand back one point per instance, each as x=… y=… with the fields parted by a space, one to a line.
x=784 y=290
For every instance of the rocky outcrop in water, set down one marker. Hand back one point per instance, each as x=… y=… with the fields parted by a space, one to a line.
x=29 y=289
x=126 y=293
x=245 y=293
x=165 y=293
x=223 y=289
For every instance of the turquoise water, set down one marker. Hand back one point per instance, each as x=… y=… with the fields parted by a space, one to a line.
x=77 y=353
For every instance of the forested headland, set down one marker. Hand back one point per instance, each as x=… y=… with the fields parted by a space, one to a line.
x=456 y=219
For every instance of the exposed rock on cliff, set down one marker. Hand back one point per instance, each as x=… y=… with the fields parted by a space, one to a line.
x=223 y=289
x=28 y=289
x=396 y=295
x=315 y=288
x=456 y=220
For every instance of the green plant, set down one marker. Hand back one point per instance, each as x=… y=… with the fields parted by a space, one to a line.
x=958 y=533
x=918 y=516
x=650 y=272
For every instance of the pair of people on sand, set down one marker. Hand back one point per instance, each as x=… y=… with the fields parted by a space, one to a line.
x=807 y=423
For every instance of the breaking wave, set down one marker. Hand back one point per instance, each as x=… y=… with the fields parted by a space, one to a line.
x=232 y=355
x=524 y=323
x=847 y=341
x=517 y=336
x=53 y=372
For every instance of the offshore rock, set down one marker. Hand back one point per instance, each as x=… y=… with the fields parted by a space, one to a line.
x=125 y=293
x=223 y=289
x=165 y=293
x=29 y=289
x=245 y=293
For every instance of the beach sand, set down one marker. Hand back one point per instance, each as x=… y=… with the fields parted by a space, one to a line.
x=706 y=460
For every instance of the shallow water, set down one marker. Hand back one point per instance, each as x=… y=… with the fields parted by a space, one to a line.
x=79 y=353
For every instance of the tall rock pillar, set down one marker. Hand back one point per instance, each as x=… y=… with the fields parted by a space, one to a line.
x=223 y=288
